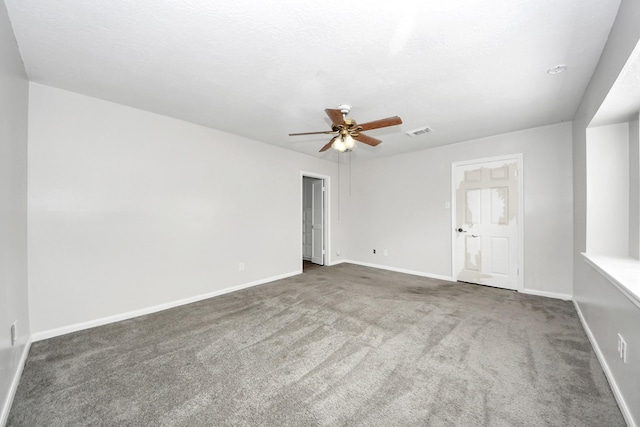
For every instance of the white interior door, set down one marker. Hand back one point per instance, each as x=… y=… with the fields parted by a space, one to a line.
x=306 y=233
x=306 y=218
x=486 y=219
x=317 y=222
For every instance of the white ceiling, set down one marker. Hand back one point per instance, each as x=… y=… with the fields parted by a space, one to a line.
x=263 y=69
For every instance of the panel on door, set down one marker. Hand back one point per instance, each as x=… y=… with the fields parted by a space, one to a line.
x=317 y=222
x=486 y=243
x=306 y=234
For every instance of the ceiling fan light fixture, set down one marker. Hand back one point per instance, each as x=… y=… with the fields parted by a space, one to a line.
x=339 y=145
x=344 y=142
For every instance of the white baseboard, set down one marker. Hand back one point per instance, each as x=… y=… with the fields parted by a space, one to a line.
x=555 y=295
x=605 y=367
x=4 y=415
x=402 y=270
x=39 y=336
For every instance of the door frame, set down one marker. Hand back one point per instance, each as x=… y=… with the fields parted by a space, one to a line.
x=326 y=226
x=518 y=157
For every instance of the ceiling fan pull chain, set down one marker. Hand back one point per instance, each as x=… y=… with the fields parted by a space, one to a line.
x=349 y=174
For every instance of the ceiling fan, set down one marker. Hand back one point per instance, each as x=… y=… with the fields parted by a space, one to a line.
x=347 y=131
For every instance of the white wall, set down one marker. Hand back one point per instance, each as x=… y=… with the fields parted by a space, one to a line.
x=130 y=210
x=14 y=90
x=398 y=204
x=608 y=190
x=634 y=187
x=605 y=310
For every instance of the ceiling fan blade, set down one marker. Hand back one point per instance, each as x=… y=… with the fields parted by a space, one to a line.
x=382 y=123
x=313 y=133
x=367 y=139
x=326 y=147
x=335 y=116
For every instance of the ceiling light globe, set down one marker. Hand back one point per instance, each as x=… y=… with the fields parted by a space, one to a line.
x=349 y=142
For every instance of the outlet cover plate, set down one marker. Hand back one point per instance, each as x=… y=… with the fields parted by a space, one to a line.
x=14 y=332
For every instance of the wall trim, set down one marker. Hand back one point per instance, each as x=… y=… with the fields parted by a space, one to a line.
x=402 y=270
x=626 y=413
x=554 y=295
x=4 y=415
x=547 y=294
x=39 y=336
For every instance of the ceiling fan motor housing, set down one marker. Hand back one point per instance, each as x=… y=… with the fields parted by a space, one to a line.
x=344 y=109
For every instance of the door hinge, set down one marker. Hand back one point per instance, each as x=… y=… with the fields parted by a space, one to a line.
x=323 y=189
x=324 y=252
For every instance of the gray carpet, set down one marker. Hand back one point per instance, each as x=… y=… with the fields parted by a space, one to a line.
x=343 y=345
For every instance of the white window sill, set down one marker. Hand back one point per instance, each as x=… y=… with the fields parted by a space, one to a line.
x=622 y=272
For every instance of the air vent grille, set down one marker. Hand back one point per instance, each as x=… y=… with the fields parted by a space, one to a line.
x=419 y=131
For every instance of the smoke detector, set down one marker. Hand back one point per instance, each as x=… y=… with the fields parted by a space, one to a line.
x=557 y=69
x=419 y=131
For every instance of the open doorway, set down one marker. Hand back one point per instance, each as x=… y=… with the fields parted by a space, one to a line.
x=314 y=221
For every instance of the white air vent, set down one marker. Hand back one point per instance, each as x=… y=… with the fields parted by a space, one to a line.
x=419 y=131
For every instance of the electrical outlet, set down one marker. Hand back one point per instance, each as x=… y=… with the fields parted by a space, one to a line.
x=14 y=333
x=241 y=266
x=622 y=348
x=374 y=251
x=619 y=345
x=385 y=253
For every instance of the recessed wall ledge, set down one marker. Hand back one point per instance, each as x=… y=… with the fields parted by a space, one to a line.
x=623 y=272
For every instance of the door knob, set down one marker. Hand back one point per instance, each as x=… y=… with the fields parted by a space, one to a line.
x=460 y=230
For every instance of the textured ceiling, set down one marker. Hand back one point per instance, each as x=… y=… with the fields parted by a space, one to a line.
x=467 y=68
